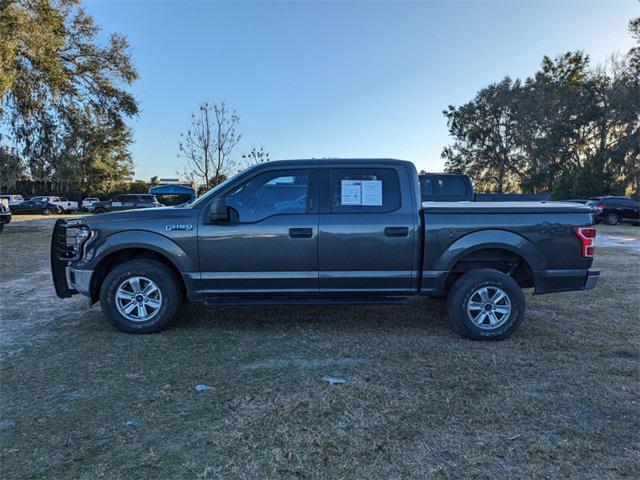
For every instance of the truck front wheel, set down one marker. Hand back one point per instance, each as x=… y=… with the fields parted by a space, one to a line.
x=140 y=296
x=486 y=304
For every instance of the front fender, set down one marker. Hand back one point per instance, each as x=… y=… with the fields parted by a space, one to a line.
x=144 y=240
x=500 y=239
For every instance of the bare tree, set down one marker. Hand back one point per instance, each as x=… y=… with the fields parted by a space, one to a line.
x=255 y=156
x=208 y=144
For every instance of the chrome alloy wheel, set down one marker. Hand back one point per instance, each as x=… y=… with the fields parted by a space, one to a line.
x=138 y=299
x=489 y=307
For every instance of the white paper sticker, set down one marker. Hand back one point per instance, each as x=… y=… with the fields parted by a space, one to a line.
x=350 y=192
x=372 y=193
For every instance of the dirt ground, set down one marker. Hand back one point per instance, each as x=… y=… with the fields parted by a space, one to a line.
x=560 y=399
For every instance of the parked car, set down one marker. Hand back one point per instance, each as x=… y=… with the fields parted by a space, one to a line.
x=126 y=202
x=446 y=187
x=12 y=199
x=612 y=210
x=87 y=203
x=325 y=232
x=5 y=215
x=65 y=204
x=35 y=206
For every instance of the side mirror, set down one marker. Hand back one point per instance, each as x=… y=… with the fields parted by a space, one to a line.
x=218 y=211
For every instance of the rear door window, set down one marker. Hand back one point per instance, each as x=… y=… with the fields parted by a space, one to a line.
x=364 y=190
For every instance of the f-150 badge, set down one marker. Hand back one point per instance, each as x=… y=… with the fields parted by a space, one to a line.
x=184 y=227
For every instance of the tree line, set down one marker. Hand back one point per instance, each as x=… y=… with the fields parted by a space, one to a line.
x=65 y=103
x=571 y=129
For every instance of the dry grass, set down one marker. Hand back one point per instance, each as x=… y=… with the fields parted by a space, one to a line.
x=557 y=400
x=31 y=217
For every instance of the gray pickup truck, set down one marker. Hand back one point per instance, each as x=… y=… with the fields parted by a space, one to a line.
x=331 y=231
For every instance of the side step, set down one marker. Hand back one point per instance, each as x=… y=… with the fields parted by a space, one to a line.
x=304 y=301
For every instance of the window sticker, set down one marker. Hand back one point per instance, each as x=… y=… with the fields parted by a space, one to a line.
x=351 y=192
x=372 y=193
x=361 y=192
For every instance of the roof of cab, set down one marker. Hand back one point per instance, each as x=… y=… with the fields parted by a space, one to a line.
x=329 y=161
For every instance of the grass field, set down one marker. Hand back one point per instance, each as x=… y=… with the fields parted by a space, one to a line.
x=560 y=399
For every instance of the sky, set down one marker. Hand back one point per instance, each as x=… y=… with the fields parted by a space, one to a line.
x=338 y=79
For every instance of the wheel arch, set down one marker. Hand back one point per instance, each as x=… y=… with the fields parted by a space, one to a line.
x=118 y=257
x=501 y=250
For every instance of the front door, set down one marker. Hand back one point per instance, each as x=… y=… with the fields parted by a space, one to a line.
x=272 y=248
x=368 y=231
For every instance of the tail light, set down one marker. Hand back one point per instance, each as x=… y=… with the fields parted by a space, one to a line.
x=587 y=236
x=599 y=208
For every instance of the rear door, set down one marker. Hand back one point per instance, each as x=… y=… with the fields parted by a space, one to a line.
x=368 y=230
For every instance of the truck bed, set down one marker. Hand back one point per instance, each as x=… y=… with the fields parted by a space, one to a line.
x=538 y=237
x=505 y=207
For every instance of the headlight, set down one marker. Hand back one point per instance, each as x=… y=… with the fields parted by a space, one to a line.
x=76 y=238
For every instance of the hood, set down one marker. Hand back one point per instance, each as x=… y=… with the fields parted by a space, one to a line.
x=141 y=215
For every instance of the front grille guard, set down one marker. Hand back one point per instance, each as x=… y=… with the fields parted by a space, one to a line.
x=62 y=254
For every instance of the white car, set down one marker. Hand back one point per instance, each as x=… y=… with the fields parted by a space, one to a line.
x=12 y=199
x=66 y=205
x=87 y=203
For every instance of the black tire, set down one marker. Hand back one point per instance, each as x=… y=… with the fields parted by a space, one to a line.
x=166 y=282
x=46 y=211
x=99 y=210
x=611 y=219
x=466 y=287
x=1 y=227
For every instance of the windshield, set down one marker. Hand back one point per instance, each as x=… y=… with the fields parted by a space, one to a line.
x=215 y=189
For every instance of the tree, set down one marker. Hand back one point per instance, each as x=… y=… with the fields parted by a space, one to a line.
x=255 y=156
x=53 y=71
x=569 y=129
x=94 y=156
x=634 y=53
x=11 y=169
x=556 y=103
x=208 y=144
x=486 y=138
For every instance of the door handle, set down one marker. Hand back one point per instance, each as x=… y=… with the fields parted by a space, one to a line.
x=300 y=232
x=396 y=231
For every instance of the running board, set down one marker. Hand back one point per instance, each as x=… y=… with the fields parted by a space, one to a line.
x=304 y=301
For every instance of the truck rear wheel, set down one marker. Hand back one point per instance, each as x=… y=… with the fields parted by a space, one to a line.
x=140 y=296
x=486 y=304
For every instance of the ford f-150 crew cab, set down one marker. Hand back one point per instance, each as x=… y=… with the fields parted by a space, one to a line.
x=308 y=231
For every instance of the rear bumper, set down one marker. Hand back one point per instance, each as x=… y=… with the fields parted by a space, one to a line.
x=592 y=279
x=549 y=281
